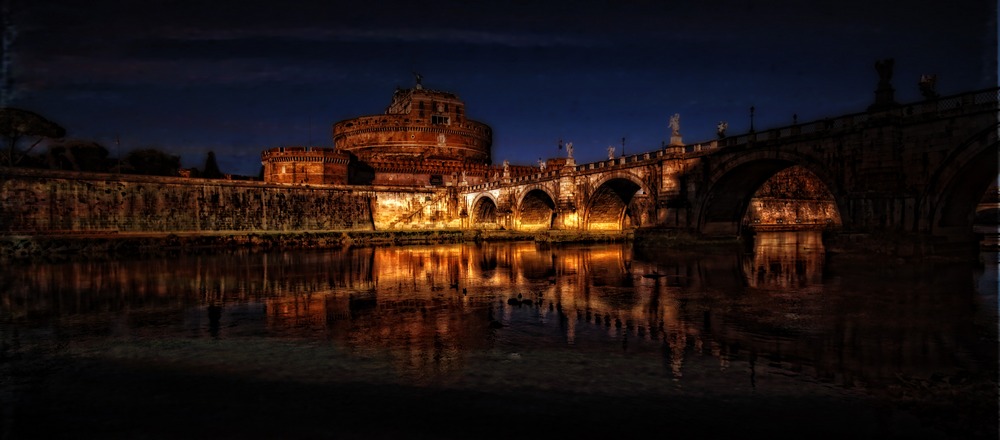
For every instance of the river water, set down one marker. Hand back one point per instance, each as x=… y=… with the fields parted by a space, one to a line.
x=502 y=340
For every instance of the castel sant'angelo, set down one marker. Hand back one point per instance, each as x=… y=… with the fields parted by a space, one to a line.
x=423 y=138
x=422 y=164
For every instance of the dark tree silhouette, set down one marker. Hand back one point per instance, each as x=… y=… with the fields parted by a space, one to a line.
x=211 y=170
x=17 y=124
x=151 y=162
x=78 y=155
x=57 y=158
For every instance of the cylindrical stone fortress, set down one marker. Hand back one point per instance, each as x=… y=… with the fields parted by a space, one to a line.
x=419 y=124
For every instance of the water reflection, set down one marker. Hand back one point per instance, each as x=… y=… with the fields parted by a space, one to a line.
x=788 y=260
x=779 y=319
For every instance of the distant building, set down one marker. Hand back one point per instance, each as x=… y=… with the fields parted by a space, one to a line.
x=422 y=139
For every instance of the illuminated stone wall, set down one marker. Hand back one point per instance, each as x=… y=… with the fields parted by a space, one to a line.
x=415 y=209
x=793 y=198
x=41 y=201
x=309 y=165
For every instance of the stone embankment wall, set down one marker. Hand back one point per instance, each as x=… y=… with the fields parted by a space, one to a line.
x=792 y=199
x=771 y=213
x=51 y=202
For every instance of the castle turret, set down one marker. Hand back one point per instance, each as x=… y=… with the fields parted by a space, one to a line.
x=419 y=124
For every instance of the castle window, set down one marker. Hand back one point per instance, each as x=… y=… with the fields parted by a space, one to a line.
x=440 y=120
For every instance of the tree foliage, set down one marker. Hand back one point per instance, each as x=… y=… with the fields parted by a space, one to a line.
x=18 y=124
x=211 y=170
x=78 y=155
x=151 y=161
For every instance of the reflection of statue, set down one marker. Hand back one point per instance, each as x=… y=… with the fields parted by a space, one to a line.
x=569 y=150
x=464 y=180
x=720 y=129
x=611 y=152
x=675 y=125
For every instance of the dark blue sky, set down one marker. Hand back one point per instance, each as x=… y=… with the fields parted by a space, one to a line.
x=237 y=77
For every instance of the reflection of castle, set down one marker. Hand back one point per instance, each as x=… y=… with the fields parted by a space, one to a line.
x=423 y=138
x=428 y=307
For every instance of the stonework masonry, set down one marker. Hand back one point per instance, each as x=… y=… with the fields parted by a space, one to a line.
x=418 y=124
x=54 y=202
x=422 y=139
x=792 y=198
x=310 y=165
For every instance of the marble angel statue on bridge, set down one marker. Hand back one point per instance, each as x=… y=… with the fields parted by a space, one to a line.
x=675 y=124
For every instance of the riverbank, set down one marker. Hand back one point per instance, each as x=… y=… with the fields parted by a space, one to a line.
x=104 y=244
x=68 y=245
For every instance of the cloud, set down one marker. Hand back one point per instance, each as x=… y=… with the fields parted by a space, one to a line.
x=70 y=71
x=393 y=35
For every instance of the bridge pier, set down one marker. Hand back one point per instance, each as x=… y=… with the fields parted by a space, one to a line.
x=674 y=212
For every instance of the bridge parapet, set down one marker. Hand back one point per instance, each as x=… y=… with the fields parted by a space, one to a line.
x=935 y=108
x=630 y=161
x=895 y=169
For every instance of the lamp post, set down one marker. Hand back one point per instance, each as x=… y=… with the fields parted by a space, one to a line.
x=751 y=119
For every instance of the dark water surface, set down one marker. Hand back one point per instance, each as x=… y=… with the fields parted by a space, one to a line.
x=432 y=342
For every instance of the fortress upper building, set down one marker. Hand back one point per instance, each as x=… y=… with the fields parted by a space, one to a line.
x=423 y=138
x=418 y=124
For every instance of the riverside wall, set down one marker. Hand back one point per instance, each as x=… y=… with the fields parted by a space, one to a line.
x=44 y=202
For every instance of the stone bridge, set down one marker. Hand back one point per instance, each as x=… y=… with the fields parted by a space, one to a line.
x=918 y=168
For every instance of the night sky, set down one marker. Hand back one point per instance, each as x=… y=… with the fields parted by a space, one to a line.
x=237 y=77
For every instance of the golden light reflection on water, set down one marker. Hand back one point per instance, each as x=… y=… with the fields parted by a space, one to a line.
x=430 y=309
x=783 y=260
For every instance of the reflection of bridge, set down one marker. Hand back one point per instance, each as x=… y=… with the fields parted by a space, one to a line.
x=915 y=169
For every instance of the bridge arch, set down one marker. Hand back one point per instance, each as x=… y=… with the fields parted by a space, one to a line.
x=536 y=209
x=957 y=186
x=484 y=212
x=610 y=206
x=734 y=182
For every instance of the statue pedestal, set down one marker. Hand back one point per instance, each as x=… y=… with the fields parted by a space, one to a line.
x=675 y=141
x=884 y=99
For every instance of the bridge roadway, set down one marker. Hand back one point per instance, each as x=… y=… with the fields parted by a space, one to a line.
x=918 y=169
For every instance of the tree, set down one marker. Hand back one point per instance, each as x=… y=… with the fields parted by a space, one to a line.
x=78 y=155
x=17 y=124
x=89 y=156
x=211 y=170
x=151 y=162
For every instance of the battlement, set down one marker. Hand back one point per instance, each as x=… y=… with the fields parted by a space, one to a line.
x=312 y=165
x=418 y=124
